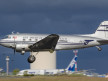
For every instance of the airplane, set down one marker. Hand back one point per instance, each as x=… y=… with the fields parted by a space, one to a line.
x=24 y=42
x=72 y=66
x=70 y=69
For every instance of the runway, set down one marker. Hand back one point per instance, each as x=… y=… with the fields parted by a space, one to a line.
x=52 y=78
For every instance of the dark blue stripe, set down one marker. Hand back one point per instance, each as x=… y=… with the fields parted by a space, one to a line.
x=103 y=25
x=102 y=30
x=32 y=42
x=72 y=44
x=19 y=42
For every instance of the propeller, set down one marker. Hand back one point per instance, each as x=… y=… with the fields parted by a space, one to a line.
x=14 y=51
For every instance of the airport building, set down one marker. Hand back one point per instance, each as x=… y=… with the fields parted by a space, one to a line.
x=44 y=60
x=72 y=67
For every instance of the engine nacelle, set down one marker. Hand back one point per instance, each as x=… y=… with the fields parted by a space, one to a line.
x=22 y=47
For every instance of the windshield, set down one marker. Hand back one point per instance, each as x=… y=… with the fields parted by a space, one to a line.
x=5 y=37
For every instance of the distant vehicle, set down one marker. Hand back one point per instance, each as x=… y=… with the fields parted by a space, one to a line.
x=41 y=42
x=70 y=69
x=1 y=69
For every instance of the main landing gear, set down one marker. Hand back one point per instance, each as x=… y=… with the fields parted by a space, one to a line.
x=32 y=58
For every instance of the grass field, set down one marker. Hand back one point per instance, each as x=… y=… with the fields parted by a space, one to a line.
x=53 y=78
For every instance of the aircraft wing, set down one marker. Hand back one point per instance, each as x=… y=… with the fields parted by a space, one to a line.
x=46 y=44
x=103 y=41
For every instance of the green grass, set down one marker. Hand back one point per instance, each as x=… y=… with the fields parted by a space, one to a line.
x=54 y=78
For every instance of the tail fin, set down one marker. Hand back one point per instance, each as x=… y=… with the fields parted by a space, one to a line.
x=102 y=30
x=72 y=64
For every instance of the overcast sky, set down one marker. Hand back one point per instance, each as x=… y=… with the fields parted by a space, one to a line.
x=55 y=16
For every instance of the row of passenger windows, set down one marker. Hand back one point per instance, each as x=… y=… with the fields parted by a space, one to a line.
x=30 y=40
x=41 y=38
x=34 y=38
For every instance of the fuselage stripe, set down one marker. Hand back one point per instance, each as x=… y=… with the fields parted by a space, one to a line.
x=30 y=42
x=102 y=30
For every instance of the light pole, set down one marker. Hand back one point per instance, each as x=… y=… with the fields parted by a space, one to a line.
x=7 y=65
x=75 y=52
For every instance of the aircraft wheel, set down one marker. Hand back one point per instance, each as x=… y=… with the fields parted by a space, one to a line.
x=99 y=49
x=31 y=58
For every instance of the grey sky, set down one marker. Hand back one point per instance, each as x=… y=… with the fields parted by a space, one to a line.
x=51 y=14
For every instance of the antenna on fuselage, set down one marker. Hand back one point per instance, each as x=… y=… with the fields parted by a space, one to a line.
x=13 y=32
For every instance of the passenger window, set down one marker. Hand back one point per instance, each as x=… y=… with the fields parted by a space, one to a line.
x=23 y=39
x=36 y=40
x=29 y=39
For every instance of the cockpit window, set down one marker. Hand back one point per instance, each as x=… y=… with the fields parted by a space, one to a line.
x=7 y=37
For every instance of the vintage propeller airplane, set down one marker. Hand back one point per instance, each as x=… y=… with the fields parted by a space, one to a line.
x=24 y=42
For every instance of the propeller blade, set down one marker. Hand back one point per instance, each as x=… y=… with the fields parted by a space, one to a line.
x=14 y=45
x=14 y=51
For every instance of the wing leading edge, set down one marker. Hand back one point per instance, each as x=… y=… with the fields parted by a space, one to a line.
x=46 y=44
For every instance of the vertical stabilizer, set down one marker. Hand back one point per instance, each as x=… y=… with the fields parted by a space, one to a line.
x=102 y=30
x=72 y=66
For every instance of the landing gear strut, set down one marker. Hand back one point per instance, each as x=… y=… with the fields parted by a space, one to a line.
x=31 y=58
x=99 y=48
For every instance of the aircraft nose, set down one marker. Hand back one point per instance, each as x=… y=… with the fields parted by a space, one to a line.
x=0 y=41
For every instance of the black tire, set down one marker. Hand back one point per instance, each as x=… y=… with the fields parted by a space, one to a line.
x=31 y=58
x=99 y=49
